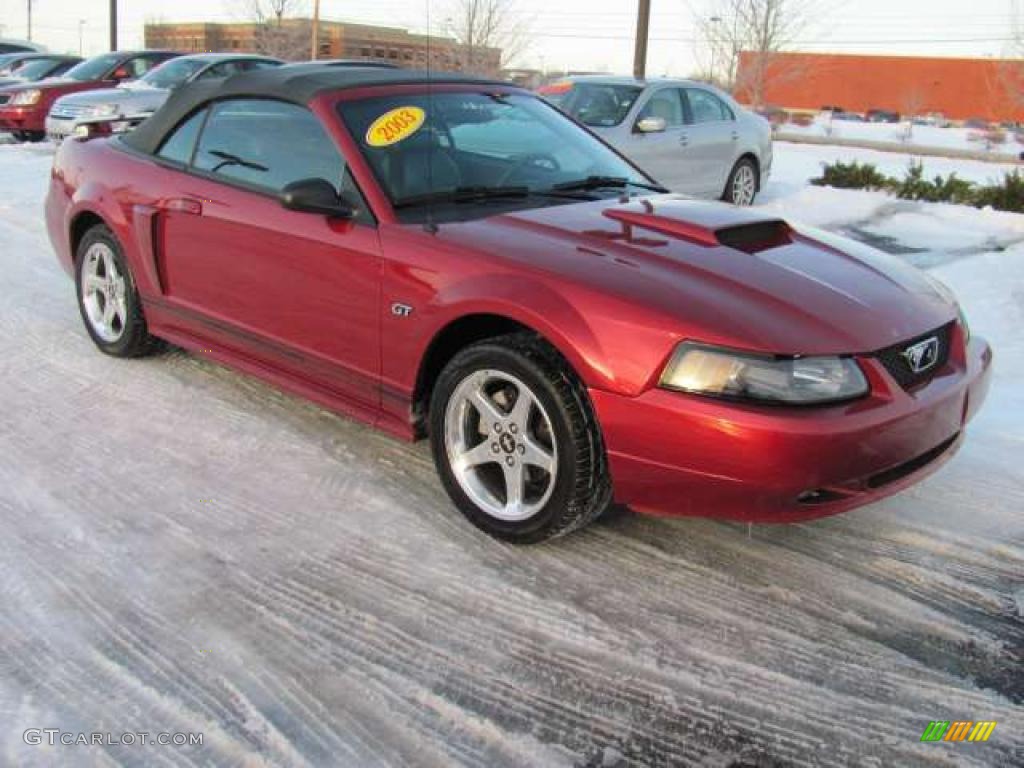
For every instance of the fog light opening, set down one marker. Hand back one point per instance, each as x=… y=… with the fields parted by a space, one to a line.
x=820 y=496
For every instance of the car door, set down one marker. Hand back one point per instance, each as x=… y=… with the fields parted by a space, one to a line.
x=296 y=290
x=713 y=139
x=662 y=154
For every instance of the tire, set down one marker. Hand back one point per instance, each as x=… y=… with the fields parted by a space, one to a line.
x=560 y=431
x=743 y=184
x=29 y=136
x=100 y=262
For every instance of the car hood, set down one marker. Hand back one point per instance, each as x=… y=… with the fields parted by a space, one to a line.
x=59 y=84
x=129 y=99
x=722 y=274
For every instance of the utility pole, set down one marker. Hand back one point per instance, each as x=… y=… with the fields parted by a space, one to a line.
x=314 y=45
x=113 y=25
x=643 y=24
x=30 y=20
x=81 y=28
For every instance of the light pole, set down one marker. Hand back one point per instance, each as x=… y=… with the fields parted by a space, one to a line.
x=29 y=2
x=713 y=29
x=113 y=25
x=81 y=26
x=643 y=24
x=314 y=44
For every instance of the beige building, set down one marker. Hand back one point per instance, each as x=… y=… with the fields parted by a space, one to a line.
x=337 y=40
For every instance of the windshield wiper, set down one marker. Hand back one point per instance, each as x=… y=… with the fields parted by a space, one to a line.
x=463 y=195
x=226 y=158
x=602 y=182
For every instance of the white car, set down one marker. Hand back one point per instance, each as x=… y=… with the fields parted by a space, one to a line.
x=690 y=136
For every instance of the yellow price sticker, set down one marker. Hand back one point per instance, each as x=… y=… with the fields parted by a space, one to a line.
x=395 y=126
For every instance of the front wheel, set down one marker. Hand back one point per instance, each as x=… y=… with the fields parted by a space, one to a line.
x=742 y=185
x=515 y=441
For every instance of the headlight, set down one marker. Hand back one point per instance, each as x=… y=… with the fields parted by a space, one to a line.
x=964 y=324
x=724 y=373
x=26 y=98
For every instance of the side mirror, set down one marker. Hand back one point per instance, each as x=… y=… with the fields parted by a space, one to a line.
x=121 y=73
x=651 y=125
x=315 y=196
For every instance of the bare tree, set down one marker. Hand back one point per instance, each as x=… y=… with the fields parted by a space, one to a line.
x=757 y=29
x=278 y=32
x=492 y=34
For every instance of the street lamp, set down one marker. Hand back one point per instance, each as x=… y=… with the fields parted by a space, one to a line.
x=81 y=26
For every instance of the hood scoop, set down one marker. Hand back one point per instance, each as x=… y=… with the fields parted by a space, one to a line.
x=737 y=229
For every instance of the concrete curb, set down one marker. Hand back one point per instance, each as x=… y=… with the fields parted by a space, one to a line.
x=903 y=149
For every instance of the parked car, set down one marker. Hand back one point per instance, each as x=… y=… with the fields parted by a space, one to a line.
x=8 y=45
x=23 y=109
x=33 y=67
x=978 y=124
x=132 y=102
x=848 y=117
x=565 y=334
x=882 y=116
x=690 y=136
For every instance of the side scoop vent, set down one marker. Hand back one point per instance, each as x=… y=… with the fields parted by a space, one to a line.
x=750 y=237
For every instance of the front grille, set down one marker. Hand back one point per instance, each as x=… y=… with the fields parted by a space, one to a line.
x=895 y=361
x=67 y=111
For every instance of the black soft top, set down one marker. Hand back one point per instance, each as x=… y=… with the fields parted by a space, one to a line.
x=297 y=83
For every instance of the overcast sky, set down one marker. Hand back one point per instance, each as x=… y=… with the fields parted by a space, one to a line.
x=576 y=34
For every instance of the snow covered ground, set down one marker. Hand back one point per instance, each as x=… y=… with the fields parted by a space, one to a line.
x=185 y=549
x=922 y=136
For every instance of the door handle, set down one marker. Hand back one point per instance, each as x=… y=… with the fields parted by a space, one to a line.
x=183 y=205
x=683 y=140
x=735 y=136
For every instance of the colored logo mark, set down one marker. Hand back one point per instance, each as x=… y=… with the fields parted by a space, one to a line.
x=958 y=730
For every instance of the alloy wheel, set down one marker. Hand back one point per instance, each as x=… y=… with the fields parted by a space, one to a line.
x=103 y=293
x=744 y=185
x=500 y=445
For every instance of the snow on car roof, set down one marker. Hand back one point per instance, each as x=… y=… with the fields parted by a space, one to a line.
x=297 y=83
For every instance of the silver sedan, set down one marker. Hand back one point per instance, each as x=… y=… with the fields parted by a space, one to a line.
x=133 y=101
x=690 y=136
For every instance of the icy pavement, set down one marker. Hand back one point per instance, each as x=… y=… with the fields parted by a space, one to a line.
x=187 y=550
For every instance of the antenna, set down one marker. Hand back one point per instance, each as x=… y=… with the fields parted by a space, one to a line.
x=430 y=225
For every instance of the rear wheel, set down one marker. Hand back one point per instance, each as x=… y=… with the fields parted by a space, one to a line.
x=31 y=136
x=107 y=297
x=741 y=189
x=515 y=441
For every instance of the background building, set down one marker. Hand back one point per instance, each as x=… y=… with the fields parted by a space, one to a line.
x=337 y=40
x=958 y=88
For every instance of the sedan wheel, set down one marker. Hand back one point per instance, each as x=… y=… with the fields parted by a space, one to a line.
x=515 y=440
x=742 y=186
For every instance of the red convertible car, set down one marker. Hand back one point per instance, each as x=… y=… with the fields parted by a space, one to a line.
x=454 y=258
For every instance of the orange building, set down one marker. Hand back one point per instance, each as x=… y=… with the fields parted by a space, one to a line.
x=992 y=89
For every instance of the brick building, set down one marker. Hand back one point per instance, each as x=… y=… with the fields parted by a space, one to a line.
x=958 y=88
x=337 y=40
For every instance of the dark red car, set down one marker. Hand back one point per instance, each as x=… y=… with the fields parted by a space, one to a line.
x=23 y=107
x=460 y=260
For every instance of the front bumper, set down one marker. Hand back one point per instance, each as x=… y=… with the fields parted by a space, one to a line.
x=28 y=118
x=677 y=454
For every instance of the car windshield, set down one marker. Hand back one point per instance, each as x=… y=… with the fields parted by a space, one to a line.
x=33 y=69
x=94 y=68
x=600 y=105
x=173 y=73
x=458 y=155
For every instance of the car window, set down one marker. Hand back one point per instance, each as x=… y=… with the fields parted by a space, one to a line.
x=93 y=68
x=178 y=146
x=255 y=65
x=33 y=69
x=267 y=144
x=140 y=65
x=224 y=69
x=665 y=104
x=172 y=73
x=597 y=104
x=705 y=107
